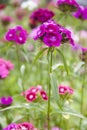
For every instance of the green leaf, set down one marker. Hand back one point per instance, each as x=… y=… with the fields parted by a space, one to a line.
x=59 y=65
x=40 y=53
x=64 y=61
x=54 y=87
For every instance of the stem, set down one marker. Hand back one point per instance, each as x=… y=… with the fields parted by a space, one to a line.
x=19 y=66
x=82 y=97
x=49 y=85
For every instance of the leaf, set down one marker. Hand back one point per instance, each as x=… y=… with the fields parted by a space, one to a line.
x=64 y=61
x=55 y=89
x=40 y=53
x=59 y=65
x=78 y=67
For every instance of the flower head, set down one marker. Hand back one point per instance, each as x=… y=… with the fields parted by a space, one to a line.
x=40 y=15
x=65 y=90
x=52 y=34
x=6 y=20
x=81 y=13
x=67 y=5
x=34 y=93
x=6 y=101
x=17 y=35
x=5 y=67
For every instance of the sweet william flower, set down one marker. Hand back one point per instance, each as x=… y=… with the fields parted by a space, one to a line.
x=17 y=35
x=67 y=5
x=81 y=13
x=26 y=126
x=6 y=20
x=6 y=101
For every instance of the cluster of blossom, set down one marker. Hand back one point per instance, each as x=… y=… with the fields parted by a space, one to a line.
x=81 y=13
x=6 y=101
x=65 y=90
x=5 y=67
x=52 y=34
x=17 y=35
x=6 y=20
x=34 y=93
x=67 y=5
x=40 y=15
x=21 y=126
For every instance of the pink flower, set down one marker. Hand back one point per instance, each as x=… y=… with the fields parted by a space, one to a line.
x=26 y=126
x=43 y=95
x=17 y=35
x=5 y=67
x=34 y=93
x=65 y=89
x=6 y=20
x=30 y=96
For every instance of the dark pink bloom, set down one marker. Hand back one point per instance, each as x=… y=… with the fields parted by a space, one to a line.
x=3 y=72
x=26 y=126
x=52 y=34
x=44 y=95
x=30 y=96
x=67 y=5
x=41 y=15
x=6 y=20
x=17 y=35
x=2 y=6
x=65 y=90
x=81 y=13
x=11 y=126
x=6 y=101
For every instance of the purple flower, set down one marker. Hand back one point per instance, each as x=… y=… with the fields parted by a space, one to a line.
x=11 y=127
x=52 y=39
x=81 y=13
x=67 y=5
x=41 y=15
x=52 y=34
x=6 y=101
x=5 y=67
x=17 y=35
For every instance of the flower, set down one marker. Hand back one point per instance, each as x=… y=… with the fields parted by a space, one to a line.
x=34 y=93
x=21 y=126
x=56 y=128
x=65 y=90
x=26 y=126
x=5 y=67
x=81 y=13
x=6 y=101
x=40 y=15
x=2 y=6
x=6 y=20
x=67 y=5
x=17 y=35
x=52 y=34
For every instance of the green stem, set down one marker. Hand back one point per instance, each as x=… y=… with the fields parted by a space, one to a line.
x=19 y=66
x=82 y=98
x=49 y=85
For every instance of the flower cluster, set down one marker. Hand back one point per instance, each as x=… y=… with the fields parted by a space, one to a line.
x=6 y=101
x=6 y=20
x=40 y=15
x=81 y=13
x=33 y=93
x=2 y=6
x=67 y=5
x=17 y=35
x=5 y=67
x=52 y=34
x=65 y=90
x=21 y=126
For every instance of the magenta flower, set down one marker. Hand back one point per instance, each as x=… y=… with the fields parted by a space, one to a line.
x=2 y=6
x=6 y=20
x=56 y=128
x=65 y=90
x=42 y=15
x=67 y=5
x=11 y=127
x=26 y=126
x=5 y=67
x=52 y=34
x=33 y=93
x=81 y=13
x=6 y=101
x=17 y=35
